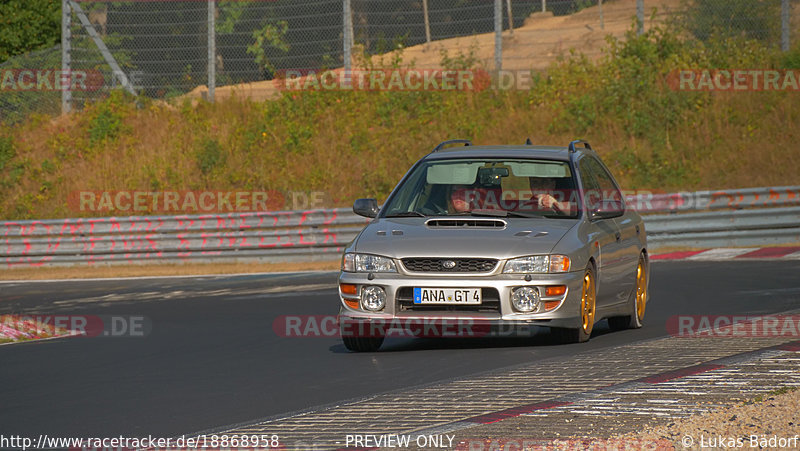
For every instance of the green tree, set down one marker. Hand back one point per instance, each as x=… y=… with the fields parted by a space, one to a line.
x=269 y=38
x=751 y=19
x=27 y=25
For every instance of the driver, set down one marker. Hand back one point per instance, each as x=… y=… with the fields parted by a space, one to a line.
x=543 y=189
x=459 y=199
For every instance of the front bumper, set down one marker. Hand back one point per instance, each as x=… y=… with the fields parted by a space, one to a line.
x=496 y=310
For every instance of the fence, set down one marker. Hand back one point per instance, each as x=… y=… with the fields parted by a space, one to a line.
x=167 y=48
x=701 y=219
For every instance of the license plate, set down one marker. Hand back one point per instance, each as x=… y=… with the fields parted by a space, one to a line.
x=459 y=296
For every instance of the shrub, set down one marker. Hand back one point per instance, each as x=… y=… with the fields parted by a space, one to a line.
x=6 y=150
x=752 y=19
x=209 y=156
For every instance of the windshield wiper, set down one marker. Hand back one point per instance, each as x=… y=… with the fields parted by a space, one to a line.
x=506 y=214
x=407 y=214
x=494 y=213
x=519 y=214
x=491 y=213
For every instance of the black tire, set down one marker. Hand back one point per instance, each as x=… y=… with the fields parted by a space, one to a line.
x=587 y=313
x=358 y=336
x=620 y=322
x=638 y=301
x=362 y=344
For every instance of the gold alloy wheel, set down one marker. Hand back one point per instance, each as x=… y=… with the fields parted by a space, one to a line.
x=588 y=303
x=641 y=289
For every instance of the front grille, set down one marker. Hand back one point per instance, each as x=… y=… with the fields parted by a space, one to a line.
x=439 y=265
x=490 y=303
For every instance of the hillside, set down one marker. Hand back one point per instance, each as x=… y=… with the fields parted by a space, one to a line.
x=336 y=146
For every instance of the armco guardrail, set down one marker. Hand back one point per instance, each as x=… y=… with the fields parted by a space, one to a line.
x=714 y=200
x=272 y=236
x=679 y=219
x=721 y=218
x=738 y=228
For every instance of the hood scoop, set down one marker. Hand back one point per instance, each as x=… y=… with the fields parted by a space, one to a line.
x=462 y=223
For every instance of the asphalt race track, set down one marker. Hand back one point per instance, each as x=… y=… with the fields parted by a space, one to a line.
x=212 y=358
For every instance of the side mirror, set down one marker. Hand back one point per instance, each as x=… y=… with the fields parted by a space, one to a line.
x=366 y=207
x=607 y=209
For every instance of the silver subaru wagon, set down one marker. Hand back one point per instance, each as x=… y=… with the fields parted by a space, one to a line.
x=476 y=239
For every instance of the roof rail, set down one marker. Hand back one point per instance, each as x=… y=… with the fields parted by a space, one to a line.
x=579 y=141
x=444 y=144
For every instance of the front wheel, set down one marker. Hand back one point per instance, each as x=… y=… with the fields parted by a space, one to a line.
x=362 y=344
x=587 y=312
x=356 y=339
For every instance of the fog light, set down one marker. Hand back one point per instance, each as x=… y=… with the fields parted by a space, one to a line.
x=525 y=299
x=373 y=298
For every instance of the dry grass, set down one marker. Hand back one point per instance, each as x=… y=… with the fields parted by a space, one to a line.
x=744 y=141
x=350 y=145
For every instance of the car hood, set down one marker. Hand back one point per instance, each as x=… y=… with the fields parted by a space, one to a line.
x=467 y=237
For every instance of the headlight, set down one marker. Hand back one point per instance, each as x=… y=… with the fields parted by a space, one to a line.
x=538 y=264
x=367 y=263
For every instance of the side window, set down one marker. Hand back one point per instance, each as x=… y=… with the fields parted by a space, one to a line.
x=598 y=184
x=588 y=181
x=590 y=186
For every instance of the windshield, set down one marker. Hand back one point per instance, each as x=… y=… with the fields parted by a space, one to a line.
x=490 y=187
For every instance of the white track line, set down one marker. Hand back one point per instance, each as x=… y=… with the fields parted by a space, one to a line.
x=792 y=256
x=721 y=254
